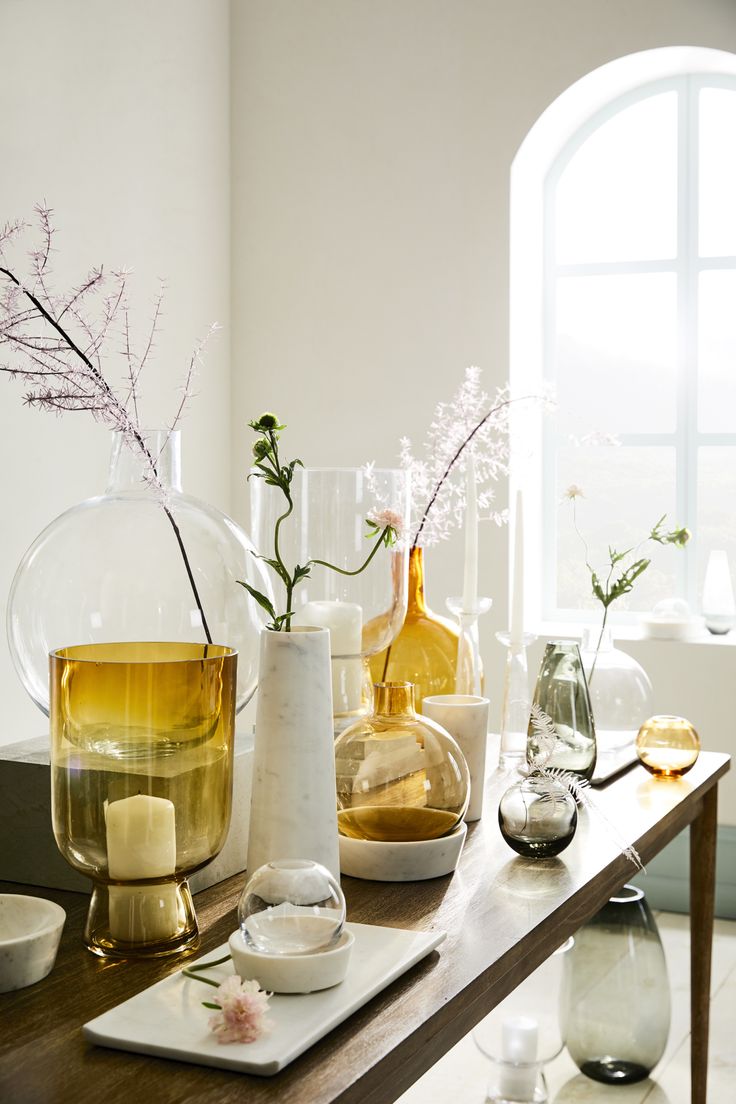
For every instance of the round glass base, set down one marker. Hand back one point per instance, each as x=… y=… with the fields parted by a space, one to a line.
x=141 y=920
x=614 y=1072
x=516 y=1083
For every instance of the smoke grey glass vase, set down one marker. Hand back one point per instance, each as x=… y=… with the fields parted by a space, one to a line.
x=562 y=693
x=615 y=1001
x=537 y=817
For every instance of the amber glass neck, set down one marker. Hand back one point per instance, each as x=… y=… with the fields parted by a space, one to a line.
x=416 y=602
x=393 y=699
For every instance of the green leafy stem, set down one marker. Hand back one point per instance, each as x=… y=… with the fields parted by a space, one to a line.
x=270 y=468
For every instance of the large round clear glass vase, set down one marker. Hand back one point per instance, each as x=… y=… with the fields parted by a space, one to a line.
x=620 y=691
x=363 y=612
x=141 y=562
x=561 y=694
x=615 y=1004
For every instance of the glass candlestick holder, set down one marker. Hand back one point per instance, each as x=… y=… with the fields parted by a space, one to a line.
x=515 y=716
x=141 y=776
x=469 y=669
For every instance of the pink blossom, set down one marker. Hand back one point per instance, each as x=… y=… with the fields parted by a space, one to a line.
x=383 y=518
x=242 y=1018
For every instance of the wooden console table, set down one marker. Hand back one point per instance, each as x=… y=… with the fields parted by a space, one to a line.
x=503 y=915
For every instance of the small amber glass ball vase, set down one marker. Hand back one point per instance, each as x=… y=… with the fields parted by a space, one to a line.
x=400 y=777
x=141 y=783
x=667 y=746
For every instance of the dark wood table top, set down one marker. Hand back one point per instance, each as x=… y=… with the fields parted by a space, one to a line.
x=503 y=914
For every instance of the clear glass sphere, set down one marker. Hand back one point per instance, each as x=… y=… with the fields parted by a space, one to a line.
x=667 y=746
x=400 y=777
x=112 y=570
x=291 y=906
x=620 y=690
x=537 y=817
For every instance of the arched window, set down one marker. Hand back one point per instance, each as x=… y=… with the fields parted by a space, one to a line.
x=636 y=312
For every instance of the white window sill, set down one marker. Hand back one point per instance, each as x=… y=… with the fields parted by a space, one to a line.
x=697 y=634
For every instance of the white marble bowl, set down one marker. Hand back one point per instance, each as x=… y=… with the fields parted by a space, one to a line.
x=299 y=973
x=30 y=930
x=413 y=861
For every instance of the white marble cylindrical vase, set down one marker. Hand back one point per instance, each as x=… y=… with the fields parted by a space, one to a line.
x=465 y=717
x=293 y=809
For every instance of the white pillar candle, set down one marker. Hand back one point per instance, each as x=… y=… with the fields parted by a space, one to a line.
x=517 y=581
x=470 y=576
x=345 y=622
x=519 y=1069
x=141 y=844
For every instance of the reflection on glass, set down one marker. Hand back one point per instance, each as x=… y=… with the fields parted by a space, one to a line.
x=617 y=198
x=717 y=184
x=621 y=329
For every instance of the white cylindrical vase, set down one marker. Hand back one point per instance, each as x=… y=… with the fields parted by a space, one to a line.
x=293 y=809
x=465 y=717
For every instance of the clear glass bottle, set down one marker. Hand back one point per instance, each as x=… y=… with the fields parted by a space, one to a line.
x=425 y=651
x=400 y=776
x=615 y=1005
x=562 y=693
x=619 y=687
x=137 y=563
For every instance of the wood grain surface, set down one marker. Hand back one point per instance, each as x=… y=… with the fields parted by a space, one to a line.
x=503 y=914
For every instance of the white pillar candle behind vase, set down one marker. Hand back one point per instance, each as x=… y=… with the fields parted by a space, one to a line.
x=465 y=717
x=345 y=622
x=293 y=809
x=141 y=844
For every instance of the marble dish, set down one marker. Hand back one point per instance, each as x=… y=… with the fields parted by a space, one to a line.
x=293 y=973
x=410 y=861
x=30 y=931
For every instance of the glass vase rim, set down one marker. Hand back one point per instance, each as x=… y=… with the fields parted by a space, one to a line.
x=224 y=651
x=345 y=470
x=632 y=894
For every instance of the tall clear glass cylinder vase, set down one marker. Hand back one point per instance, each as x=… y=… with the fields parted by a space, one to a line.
x=141 y=562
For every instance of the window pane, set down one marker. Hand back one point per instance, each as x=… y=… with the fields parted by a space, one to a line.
x=617 y=198
x=616 y=351
x=717 y=352
x=716 y=516
x=717 y=172
x=626 y=491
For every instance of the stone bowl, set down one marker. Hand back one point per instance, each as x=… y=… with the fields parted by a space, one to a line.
x=30 y=930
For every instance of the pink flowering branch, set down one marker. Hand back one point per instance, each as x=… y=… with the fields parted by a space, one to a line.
x=64 y=368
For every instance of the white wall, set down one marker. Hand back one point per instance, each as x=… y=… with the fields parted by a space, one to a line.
x=372 y=144
x=118 y=116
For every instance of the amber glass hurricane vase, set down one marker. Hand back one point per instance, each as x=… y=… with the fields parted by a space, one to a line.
x=425 y=651
x=141 y=774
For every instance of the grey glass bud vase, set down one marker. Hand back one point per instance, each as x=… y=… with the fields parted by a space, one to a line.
x=562 y=693
x=615 y=1001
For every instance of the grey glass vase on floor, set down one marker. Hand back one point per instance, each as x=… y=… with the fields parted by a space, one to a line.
x=615 y=1003
x=562 y=693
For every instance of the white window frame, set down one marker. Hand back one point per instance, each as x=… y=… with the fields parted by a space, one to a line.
x=533 y=470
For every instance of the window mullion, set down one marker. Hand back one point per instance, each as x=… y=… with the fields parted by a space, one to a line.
x=687 y=290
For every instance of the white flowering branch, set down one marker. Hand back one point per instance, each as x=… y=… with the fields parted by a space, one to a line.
x=64 y=368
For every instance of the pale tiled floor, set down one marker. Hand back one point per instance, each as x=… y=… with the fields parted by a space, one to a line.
x=462 y=1074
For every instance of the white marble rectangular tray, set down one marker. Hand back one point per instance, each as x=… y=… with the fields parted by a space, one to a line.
x=168 y=1019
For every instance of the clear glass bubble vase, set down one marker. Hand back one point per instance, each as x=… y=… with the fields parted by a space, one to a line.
x=141 y=562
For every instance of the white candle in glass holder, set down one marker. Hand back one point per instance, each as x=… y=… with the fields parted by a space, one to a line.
x=345 y=622
x=141 y=844
x=519 y=1069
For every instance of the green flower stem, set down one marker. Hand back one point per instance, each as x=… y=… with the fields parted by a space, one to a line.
x=363 y=566
x=191 y=972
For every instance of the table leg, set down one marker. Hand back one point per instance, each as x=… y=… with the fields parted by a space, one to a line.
x=702 y=900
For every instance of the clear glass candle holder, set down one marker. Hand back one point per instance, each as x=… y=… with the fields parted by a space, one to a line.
x=141 y=775
x=291 y=907
x=364 y=612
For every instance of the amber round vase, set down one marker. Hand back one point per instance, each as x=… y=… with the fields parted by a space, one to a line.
x=425 y=651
